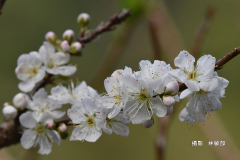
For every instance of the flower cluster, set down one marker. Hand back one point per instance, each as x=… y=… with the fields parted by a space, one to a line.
x=130 y=97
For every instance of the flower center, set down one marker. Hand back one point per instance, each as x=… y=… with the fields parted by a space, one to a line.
x=50 y=64
x=192 y=75
x=40 y=129
x=90 y=121
x=32 y=71
x=143 y=95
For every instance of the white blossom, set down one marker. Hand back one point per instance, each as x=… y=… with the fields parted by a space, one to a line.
x=191 y=75
x=56 y=62
x=116 y=124
x=84 y=115
x=142 y=104
x=206 y=99
x=155 y=75
x=63 y=95
x=38 y=133
x=117 y=96
x=41 y=105
x=29 y=70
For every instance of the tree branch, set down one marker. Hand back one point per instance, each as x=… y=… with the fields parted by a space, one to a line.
x=1 y=5
x=107 y=26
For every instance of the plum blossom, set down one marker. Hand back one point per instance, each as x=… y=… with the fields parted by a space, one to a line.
x=191 y=75
x=29 y=70
x=155 y=75
x=72 y=94
x=41 y=105
x=141 y=104
x=37 y=132
x=55 y=62
x=116 y=124
x=206 y=99
x=84 y=114
x=117 y=96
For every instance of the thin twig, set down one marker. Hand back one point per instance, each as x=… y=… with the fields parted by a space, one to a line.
x=1 y=5
x=204 y=28
x=153 y=27
x=107 y=26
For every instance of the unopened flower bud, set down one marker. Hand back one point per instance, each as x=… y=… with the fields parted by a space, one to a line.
x=50 y=123
x=51 y=37
x=172 y=88
x=68 y=35
x=148 y=123
x=65 y=46
x=19 y=101
x=168 y=100
x=76 y=47
x=62 y=130
x=83 y=19
x=9 y=112
x=63 y=127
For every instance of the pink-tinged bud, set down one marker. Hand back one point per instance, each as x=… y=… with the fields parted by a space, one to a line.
x=9 y=112
x=65 y=46
x=168 y=100
x=148 y=123
x=83 y=19
x=19 y=101
x=63 y=127
x=172 y=88
x=76 y=47
x=50 y=123
x=51 y=37
x=68 y=35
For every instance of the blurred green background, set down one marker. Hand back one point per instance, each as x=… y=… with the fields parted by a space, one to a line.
x=23 y=25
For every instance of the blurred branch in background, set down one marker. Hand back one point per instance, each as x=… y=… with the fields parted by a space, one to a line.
x=1 y=5
x=164 y=36
x=204 y=28
x=10 y=132
x=214 y=130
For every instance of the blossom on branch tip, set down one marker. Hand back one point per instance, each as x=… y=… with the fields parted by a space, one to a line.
x=29 y=71
x=84 y=115
x=41 y=105
x=83 y=19
x=191 y=75
x=56 y=62
x=75 y=47
x=37 y=132
x=205 y=100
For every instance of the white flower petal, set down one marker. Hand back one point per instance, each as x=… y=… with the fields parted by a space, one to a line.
x=45 y=145
x=27 y=120
x=76 y=115
x=178 y=74
x=192 y=85
x=93 y=135
x=158 y=107
x=196 y=109
x=107 y=129
x=57 y=114
x=26 y=86
x=120 y=129
x=89 y=106
x=186 y=93
x=28 y=138
x=209 y=85
x=54 y=136
x=60 y=94
x=184 y=61
x=205 y=66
